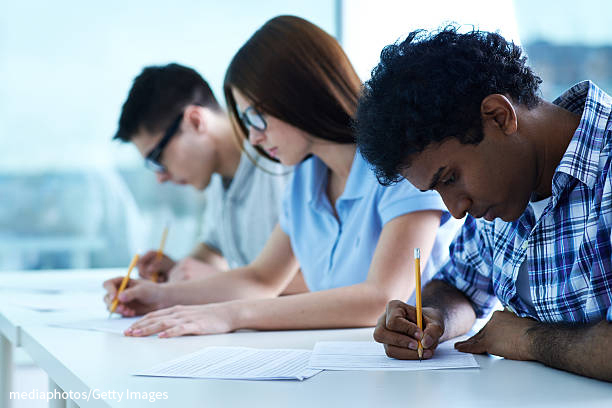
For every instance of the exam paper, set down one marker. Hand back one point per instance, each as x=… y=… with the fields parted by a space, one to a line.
x=237 y=363
x=369 y=355
x=112 y=325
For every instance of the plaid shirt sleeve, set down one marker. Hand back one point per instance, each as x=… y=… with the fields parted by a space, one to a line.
x=469 y=266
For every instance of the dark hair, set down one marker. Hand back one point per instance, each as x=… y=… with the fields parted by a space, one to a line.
x=295 y=71
x=158 y=95
x=430 y=87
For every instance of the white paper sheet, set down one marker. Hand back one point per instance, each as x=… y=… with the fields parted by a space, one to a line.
x=237 y=363
x=113 y=325
x=369 y=355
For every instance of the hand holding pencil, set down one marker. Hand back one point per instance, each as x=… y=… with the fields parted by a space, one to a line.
x=130 y=297
x=410 y=332
x=123 y=285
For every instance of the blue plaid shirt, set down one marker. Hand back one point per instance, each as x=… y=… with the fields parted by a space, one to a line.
x=568 y=250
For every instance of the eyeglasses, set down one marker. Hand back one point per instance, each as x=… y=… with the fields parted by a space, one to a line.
x=153 y=159
x=252 y=118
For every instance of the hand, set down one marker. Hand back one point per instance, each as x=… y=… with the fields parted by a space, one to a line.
x=504 y=335
x=138 y=298
x=148 y=264
x=189 y=269
x=181 y=320
x=398 y=331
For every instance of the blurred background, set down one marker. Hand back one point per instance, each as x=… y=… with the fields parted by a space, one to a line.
x=72 y=198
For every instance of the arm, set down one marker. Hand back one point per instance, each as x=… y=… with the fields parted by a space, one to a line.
x=202 y=263
x=206 y=254
x=210 y=256
x=581 y=349
x=265 y=277
x=352 y=306
x=584 y=349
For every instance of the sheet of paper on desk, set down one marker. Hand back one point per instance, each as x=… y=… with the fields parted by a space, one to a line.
x=237 y=363
x=113 y=325
x=369 y=355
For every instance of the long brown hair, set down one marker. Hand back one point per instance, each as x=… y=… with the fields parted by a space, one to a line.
x=293 y=70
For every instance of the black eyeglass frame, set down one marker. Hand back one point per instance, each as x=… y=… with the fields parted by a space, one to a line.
x=243 y=116
x=153 y=159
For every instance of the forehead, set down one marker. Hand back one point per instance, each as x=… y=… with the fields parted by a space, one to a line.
x=426 y=164
x=242 y=101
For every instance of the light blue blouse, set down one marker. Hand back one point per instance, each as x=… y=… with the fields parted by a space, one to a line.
x=338 y=252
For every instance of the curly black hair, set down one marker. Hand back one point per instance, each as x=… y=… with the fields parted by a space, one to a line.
x=429 y=88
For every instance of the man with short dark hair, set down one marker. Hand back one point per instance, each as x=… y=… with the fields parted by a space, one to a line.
x=173 y=118
x=460 y=114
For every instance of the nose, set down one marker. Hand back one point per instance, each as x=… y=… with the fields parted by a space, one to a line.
x=162 y=177
x=458 y=206
x=256 y=137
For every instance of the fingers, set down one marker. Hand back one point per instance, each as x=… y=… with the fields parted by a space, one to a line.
x=111 y=286
x=474 y=345
x=171 y=322
x=180 y=330
x=148 y=326
x=139 y=290
x=401 y=353
x=394 y=329
x=400 y=317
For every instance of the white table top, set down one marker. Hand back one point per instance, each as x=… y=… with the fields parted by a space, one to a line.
x=46 y=283
x=81 y=361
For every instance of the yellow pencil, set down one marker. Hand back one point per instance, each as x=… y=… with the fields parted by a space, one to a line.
x=419 y=307
x=160 y=253
x=123 y=285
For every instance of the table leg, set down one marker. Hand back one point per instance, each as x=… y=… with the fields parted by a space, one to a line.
x=6 y=371
x=56 y=402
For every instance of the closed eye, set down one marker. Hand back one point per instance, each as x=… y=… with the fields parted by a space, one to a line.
x=450 y=180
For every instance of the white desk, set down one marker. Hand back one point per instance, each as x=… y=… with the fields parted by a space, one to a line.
x=11 y=317
x=80 y=361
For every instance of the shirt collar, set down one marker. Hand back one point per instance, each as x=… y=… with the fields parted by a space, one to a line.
x=353 y=188
x=581 y=159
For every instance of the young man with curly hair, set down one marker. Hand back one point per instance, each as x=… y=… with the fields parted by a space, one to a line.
x=460 y=114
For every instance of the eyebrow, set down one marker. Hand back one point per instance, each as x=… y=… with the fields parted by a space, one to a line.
x=435 y=179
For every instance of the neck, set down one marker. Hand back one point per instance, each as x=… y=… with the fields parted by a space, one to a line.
x=552 y=129
x=337 y=157
x=228 y=151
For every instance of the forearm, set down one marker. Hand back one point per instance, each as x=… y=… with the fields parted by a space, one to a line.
x=457 y=310
x=240 y=283
x=204 y=253
x=585 y=350
x=351 y=306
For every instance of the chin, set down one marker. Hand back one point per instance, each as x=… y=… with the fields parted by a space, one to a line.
x=512 y=217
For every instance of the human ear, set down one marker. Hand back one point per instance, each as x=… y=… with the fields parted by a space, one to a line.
x=196 y=118
x=499 y=111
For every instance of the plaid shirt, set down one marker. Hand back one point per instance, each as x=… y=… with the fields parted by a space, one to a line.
x=568 y=250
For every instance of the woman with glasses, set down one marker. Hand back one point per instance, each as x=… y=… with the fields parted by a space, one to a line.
x=292 y=92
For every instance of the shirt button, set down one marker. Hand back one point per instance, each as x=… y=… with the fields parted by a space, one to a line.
x=525 y=244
